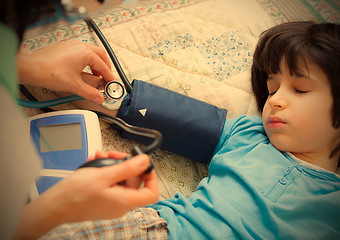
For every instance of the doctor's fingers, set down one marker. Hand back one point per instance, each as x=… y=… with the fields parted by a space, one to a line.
x=125 y=170
x=88 y=92
x=148 y=194
x=99 y=63
x=110 y=154
x=134 y=198
x=79 y=49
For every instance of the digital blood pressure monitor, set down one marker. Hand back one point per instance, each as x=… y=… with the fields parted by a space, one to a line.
x=64 y=140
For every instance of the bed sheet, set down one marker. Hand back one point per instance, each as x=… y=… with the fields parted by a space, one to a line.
x=200 y=48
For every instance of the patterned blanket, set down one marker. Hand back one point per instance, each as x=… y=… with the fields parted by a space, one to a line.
x=200 y=48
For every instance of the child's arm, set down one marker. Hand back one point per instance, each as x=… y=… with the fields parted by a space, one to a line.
x=190 y=128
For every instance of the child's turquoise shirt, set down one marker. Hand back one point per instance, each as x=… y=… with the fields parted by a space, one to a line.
x=255 y=191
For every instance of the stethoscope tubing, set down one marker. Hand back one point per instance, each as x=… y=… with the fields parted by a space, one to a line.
x=72 y=98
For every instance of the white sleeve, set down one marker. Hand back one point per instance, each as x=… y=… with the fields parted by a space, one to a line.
x=19 y=163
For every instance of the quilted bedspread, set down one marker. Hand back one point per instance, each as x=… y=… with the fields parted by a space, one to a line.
x=200 y=48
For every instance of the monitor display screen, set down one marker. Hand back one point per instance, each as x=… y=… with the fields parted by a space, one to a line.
x=60 y=137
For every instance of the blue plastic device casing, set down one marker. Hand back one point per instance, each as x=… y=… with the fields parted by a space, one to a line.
x=65 y=159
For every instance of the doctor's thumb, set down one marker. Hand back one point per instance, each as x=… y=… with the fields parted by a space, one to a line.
x=90 y=93
x=88 y=87
x=130 y=168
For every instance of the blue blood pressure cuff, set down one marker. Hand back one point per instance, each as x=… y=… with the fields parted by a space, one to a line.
x=190 y=128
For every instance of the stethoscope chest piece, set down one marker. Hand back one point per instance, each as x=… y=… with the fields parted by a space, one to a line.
x=113 y=93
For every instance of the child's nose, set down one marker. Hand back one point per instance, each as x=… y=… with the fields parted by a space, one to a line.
x=277 y=101
x=278 y=106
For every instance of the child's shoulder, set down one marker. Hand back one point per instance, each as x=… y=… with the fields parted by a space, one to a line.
x=248 y=128
x=244 y=122
x=243 y=131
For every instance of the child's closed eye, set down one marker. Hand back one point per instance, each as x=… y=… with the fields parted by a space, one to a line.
x=300 y=91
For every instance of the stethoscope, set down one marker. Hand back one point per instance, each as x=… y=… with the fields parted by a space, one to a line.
x=113 y=93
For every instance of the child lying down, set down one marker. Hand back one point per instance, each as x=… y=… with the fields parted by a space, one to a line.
x=269 y=178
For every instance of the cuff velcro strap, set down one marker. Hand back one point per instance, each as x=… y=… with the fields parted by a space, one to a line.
x=190 y=128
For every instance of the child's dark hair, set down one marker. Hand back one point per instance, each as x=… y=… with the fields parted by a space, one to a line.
x=295 y=41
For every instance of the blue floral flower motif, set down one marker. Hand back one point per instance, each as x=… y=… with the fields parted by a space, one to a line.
x=228 y=54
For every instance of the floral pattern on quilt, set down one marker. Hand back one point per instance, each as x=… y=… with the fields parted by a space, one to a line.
x=227 y=54
x=63 y=31
x=316 y=10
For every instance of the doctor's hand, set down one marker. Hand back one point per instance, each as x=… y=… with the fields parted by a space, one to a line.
x=91 y=193
x=95 y=193
x=59 y=67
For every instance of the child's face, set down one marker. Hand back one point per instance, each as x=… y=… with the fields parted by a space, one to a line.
x=297 y=113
